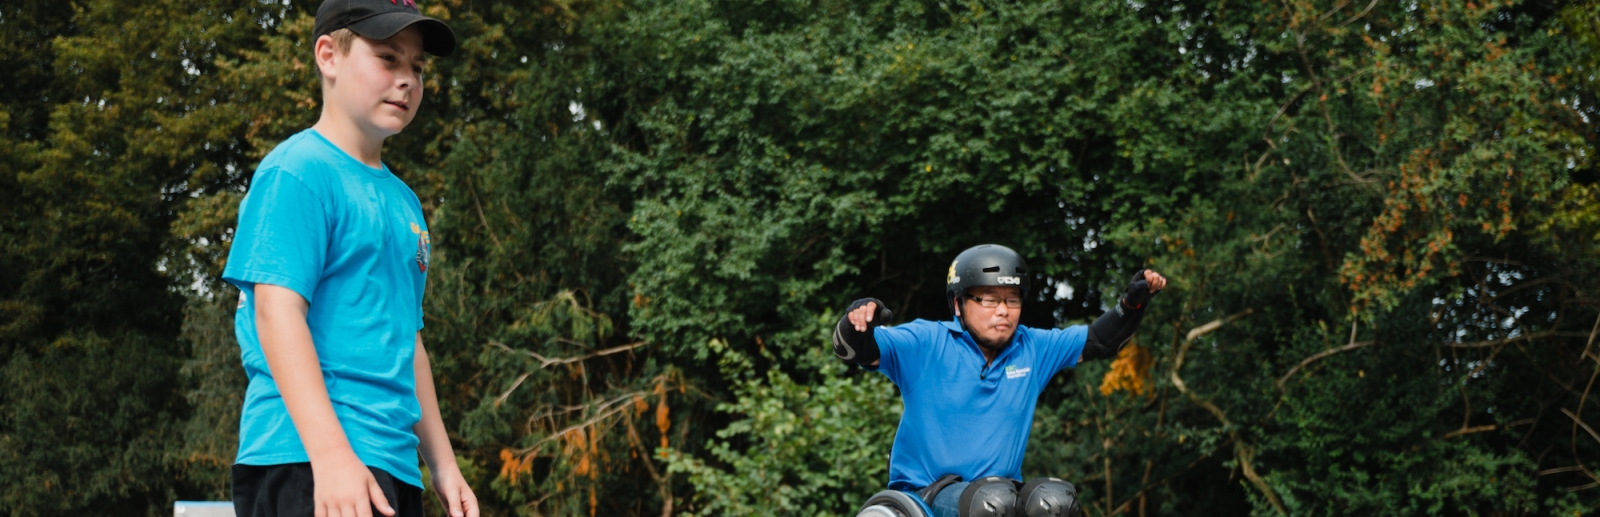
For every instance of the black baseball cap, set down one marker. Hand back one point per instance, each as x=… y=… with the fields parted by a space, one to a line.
x=382 y=19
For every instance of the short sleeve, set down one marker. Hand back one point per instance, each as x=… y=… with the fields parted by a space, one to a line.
x=894 y=343
x=1060 y=349
x=282 y=236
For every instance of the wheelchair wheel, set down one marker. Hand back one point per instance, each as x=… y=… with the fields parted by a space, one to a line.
x=894 y=503
x=880 y=511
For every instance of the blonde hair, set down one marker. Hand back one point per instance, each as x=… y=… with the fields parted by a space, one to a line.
x=342 y=39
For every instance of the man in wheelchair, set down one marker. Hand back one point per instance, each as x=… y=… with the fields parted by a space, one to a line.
x=970 y=385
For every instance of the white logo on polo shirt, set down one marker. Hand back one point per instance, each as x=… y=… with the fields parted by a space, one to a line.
x=1013 y=372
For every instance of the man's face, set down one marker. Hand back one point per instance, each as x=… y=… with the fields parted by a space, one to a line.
x=991 y=326
x=378 y=84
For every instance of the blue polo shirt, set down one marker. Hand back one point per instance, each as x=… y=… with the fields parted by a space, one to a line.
x=962 y=417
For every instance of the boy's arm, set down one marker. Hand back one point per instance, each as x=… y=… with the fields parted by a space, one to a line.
x=451 y=488
x=343 y=485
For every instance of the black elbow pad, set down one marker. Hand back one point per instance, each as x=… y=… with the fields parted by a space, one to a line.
x=854 y=346
x=1113 y=329
x=1110 y=331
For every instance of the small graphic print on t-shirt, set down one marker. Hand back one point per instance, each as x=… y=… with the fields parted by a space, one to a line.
x=424 y=248
x=1013 y=372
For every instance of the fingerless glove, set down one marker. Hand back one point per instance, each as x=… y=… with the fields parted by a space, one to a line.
x=851 y=345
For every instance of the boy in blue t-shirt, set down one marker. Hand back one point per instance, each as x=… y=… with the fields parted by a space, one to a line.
x=331 y=257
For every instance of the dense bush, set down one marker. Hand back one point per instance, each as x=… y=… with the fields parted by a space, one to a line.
x=1380 y=219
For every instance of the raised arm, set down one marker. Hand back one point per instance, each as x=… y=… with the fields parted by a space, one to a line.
x=1112 y=330
x=853 y=340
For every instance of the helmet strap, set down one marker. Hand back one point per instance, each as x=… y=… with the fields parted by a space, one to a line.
x=956 y=308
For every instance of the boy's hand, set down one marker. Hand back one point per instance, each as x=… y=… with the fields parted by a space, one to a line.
x=454 y=493
x=434 y=444
x=345 y=488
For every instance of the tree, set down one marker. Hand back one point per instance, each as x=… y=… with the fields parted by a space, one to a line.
x=105 y=127
x=1380 y=221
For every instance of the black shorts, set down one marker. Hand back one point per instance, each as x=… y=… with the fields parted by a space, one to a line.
x=286 y=491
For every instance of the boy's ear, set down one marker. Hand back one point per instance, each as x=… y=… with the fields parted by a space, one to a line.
x=326 y=52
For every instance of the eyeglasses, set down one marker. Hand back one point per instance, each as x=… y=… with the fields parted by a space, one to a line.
x=991 y=302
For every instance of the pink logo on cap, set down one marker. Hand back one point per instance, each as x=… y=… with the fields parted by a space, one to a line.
x=408 y=3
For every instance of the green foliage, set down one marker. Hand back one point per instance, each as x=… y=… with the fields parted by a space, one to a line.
x=795 y=449
x=646 y=214
x=87 y=421
x=107 y=129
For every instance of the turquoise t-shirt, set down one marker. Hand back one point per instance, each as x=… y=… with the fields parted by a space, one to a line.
x=351 y=240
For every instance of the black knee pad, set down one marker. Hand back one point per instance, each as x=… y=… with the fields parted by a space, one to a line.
x=1047 y=497
x=992 y=496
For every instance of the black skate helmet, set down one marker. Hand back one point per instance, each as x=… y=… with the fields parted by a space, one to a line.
x=985 y=266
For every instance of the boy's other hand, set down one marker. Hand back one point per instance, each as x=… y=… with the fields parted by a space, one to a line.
x=454 y=493
x=345 y=488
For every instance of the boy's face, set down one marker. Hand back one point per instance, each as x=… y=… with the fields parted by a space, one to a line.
x=378 y=84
